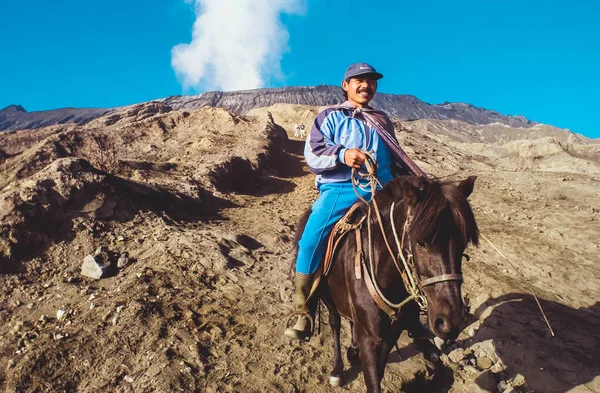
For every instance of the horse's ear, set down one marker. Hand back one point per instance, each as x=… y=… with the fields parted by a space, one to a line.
x=466 y=186
x=413 y=190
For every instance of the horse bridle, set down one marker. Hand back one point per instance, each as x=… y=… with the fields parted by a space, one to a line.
x=410 y=277
x=441 y=278
x=416 y=284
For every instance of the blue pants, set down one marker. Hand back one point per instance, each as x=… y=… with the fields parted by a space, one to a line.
x=332 y=204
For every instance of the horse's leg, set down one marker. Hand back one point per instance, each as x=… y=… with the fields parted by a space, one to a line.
x=370 y=353
x=336 y=376
x=387 y=345
x=383 y=358
x=353 y=353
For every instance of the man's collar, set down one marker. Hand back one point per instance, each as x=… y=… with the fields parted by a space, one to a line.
x=350 y=105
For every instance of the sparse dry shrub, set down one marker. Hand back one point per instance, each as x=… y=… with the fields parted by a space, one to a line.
x=101 y=152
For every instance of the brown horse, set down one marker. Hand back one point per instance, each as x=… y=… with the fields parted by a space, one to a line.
x=440 y=225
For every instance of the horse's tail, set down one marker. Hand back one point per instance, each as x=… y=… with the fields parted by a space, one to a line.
x=299 y=231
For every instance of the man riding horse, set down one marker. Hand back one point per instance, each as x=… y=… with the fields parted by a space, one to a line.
x=337 y=142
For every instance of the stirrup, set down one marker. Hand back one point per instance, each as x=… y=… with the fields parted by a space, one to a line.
x=311 y=320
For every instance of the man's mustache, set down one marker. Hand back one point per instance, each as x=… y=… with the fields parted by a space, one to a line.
x=366 y=90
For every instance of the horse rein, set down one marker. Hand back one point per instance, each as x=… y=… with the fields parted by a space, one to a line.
x=410 y=278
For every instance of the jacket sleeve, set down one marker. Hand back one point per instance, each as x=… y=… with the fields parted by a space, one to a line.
x=321 y=150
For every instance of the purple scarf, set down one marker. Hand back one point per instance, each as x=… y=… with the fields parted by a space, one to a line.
x=385 y=129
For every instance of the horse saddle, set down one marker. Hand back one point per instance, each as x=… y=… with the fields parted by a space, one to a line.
x=346 y=224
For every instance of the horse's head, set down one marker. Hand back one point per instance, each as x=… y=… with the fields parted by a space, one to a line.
x=441 y=226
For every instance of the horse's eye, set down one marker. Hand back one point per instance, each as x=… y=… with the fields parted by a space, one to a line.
x=421 y=245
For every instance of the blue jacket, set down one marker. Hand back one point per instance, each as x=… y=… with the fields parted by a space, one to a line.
x=333 y=132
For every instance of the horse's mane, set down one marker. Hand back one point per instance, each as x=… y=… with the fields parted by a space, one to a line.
x=439 y=202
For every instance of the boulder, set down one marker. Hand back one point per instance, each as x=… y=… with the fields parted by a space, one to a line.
x=96 y=266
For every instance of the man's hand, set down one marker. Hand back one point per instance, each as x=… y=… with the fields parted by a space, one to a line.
x=354 y=158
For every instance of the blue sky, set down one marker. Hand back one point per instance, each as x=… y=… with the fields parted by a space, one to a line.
x=540 y=59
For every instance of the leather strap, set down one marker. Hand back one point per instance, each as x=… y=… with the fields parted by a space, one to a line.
x=358 y=256
x=441 y=278
x=382 y=305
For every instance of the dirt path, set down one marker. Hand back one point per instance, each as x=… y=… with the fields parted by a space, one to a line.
x=261 y=359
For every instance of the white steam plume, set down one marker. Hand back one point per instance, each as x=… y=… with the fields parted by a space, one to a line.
x=236 y=44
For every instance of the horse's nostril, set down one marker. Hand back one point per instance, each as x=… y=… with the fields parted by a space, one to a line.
x=441 y=325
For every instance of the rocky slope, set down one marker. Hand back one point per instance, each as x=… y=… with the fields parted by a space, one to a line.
x=496 y=133
x=538 y=148
x=196 y=212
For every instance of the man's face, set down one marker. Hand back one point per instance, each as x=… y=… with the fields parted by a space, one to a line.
x=360 y=89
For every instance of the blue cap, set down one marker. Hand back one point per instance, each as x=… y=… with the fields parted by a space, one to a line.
x=357 y=69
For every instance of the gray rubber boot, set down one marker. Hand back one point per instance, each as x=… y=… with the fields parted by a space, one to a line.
x=303 y=328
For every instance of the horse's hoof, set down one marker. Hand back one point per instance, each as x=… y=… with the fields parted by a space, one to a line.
x=336 y=382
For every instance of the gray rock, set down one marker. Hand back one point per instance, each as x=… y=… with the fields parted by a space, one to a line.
x=439 y=343
x=93 y=267
x=492 y=356
x=484 y=363
x=498 y=367
x=61 y=315
x=457 y=355
x=470 y=371
x=518 y=380
x=100 y=250
x=472 y=332
x=123 y=260
x=502 y=386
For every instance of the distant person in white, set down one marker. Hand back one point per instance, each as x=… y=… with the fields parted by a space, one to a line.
x=296 y=128
x=302 y=132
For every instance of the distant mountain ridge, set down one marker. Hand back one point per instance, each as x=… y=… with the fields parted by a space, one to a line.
x=15 y=117
x=402 y=106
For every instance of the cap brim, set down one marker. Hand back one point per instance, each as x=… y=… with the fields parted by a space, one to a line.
x=376 y=75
